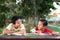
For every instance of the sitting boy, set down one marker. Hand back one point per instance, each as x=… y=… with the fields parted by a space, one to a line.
x=42 y=29
x=15 y=26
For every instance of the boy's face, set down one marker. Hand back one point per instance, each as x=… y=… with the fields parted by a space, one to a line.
x=18 y=23
x=40 y=25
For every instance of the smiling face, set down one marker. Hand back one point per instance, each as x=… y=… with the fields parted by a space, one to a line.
x=17 y=23
x=40 y=25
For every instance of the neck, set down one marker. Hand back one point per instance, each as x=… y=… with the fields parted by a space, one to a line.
x=14 y=26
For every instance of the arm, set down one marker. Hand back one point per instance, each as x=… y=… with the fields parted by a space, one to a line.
x=21 y=31
x=37 y=32
x=52 y=32
x=6 y=31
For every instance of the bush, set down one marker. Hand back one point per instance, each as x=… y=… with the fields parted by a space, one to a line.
x=2 y=20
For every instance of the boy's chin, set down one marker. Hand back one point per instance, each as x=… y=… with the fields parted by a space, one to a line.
x=16 y=27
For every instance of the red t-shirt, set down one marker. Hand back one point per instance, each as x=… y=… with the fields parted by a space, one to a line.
x=45 y=30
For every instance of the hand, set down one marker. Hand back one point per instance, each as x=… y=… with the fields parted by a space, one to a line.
x=54 y=33
x=40 y=33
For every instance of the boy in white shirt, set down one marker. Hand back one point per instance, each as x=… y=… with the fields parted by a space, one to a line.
x=15 y=26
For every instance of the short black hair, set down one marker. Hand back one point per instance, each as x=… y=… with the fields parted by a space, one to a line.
x=45 y=23
x=14 y=18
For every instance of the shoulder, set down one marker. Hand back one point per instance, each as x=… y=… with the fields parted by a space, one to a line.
x=22 y=26
x=47 y=29
x=33 y=30
x=9 y=26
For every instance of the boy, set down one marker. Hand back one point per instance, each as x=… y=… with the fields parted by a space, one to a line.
x=42 y=29
x=15 y=26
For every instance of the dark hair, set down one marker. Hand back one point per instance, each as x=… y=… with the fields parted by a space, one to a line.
x=14 y=18
x=45 y=23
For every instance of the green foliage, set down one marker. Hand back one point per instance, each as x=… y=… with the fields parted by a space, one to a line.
x=13 y=0
x=2 y=20
x=3 y=11
x=28 y=27
x=2 y=1
x=3 y=8
x=57 y=0
x=27 y=8
x=40 y=6
x=1 y=29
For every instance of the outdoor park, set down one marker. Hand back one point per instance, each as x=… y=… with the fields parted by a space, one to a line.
x=30 y=11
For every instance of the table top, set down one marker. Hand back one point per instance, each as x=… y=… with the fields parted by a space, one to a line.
x=30 y=36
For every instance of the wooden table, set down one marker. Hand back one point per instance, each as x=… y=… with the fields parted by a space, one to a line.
x=40 y=37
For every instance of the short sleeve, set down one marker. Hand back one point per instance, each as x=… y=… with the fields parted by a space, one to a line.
x=22 y=26
x=9 y=27
x=33 y=30
x=48 y=30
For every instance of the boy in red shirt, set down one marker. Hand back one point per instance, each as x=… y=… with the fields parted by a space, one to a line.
x=41 y=28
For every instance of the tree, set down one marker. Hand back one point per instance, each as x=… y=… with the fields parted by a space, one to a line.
x=36 y=8
x=29 y=9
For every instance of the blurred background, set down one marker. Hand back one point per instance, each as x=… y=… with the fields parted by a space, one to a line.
x=30 y=11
